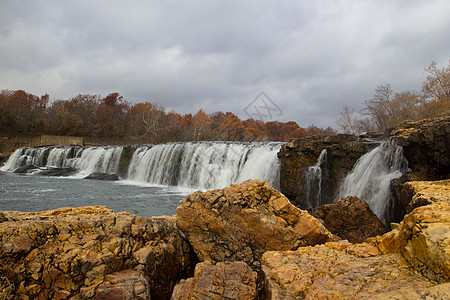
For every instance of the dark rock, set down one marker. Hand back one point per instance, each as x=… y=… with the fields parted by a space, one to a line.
x=57 y=172
x=3 y=218
x=125 y=160
x=297 y=155
x=102 y=176
x=350 y=218
x=25 y=169
x=425 y=145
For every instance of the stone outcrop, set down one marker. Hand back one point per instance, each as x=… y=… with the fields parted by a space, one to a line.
x=423 y=237
x=297 y=155
x=341 y=271
x=350 y=218
x=82 y=253
x=102 y=176
x=425 y=145
x=224 y=280
x=242 y=221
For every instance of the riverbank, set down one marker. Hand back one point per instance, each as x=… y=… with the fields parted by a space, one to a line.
x=246 y=241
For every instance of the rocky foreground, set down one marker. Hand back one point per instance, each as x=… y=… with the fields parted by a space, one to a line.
x=246 y=241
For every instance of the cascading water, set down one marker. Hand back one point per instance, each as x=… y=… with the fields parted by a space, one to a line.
x=205 y=165
x=371 y=176
x=313 y=179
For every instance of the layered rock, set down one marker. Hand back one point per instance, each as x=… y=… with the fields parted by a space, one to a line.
x=241 y=222
x=88 y=252
x=224 y=280
x=425 y=145
x=341 y=271
x=299 y=154
x=350 y=218
x=423 y=237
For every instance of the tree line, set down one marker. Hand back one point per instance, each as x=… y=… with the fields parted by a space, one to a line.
x=387 y=109
x=114 y=117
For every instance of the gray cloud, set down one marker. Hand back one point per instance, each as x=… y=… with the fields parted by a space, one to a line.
x=311 y=58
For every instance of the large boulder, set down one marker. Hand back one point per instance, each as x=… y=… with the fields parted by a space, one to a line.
x=350 y=218
x=341 y=271
x=423 y=237
x=242 y=221
x=224 y=280
x=87 y=252
x=300 y=154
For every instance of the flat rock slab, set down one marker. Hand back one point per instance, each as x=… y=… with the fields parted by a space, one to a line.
x=341 y=271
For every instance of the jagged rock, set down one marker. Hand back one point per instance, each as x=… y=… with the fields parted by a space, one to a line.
x=350 y=218
x=417 y=193
x=242 y=221
x=225 y=280
x=87 y=252
x=102 y=176
x=423 y=237
x=425 y=145
x=297 y=155
x=340 y=271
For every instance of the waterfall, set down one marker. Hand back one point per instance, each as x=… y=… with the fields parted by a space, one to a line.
x=205 y=165
x=371 y=176
x=313 y=180
x=26 y=156
x=96 y=160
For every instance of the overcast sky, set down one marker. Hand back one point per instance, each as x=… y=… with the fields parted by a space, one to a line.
x=308 y=57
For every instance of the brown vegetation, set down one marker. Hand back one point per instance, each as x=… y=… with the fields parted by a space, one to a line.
x=387 y=109
x=113 y=117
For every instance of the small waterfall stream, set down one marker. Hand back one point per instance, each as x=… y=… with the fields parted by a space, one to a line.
x=313 y=180
x=371 y=177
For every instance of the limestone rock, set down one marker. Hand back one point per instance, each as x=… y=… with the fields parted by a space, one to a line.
x=84 y=252
x=340 y=271
x=423 y=237
x=419 y=193
x=350 y=218
x=242 y=221
x=225 y=280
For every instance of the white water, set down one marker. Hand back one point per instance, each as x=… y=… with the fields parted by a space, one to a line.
x=371 y=176
x=313 y=178
x=205 y=165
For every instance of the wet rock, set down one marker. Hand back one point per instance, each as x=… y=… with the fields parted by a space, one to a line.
x=350 y=218
x=242 y=221
x=25 y=169
x=423 y=237
x=224 y=280
x=340 y=271
x=425 y=145
x=102 y=176
x=297 y=155
x=92 y=251
x=60 y=172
